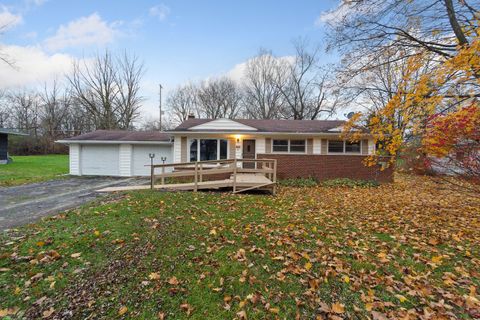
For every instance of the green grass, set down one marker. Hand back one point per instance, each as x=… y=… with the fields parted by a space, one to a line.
x=28 y=169
x=233 y=253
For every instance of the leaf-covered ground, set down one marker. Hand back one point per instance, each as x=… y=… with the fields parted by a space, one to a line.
x=407 y=250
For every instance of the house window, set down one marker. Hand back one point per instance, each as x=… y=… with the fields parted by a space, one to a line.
x=280 y=146
x=194 y=150
x=297 y=145
x=223 y=148
x=335 y=146
x=352 y=147
x=340 y=146
x=208 y=149
x=288 y=146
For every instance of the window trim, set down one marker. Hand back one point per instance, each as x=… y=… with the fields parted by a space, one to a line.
x=189 y=144
x=360 y=153
x=288 y=147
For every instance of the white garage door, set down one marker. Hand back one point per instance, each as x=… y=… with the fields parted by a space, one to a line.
x=99 y=160
x=140 y=157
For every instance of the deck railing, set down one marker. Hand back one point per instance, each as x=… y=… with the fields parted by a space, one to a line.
x=201 y=169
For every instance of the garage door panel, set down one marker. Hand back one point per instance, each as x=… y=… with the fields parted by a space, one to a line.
x=100 y=160
x=141 y=159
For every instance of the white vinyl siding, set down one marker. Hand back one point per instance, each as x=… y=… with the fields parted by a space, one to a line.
x=259 y=146
x=74 y=158
x=317 y=146
x=177 y=149
x=125 y=158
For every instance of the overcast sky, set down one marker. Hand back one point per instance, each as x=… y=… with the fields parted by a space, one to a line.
x=177 y=40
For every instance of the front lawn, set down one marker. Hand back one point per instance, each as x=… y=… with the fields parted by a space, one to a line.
x=29 y=169
x=403 y=250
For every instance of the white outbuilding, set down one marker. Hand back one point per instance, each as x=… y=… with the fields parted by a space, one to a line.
x=118 y=153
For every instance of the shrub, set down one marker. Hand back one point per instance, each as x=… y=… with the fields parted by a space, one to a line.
x=346 y=182
x=299 y=182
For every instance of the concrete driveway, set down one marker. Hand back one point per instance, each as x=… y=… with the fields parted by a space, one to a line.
x=27 y=203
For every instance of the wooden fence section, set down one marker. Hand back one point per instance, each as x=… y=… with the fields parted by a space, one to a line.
x=261 y=175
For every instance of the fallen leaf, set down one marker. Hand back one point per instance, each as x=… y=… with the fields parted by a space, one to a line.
x=154 y=276
x=337 y=307
x=76 y=255
x=8 y=312
x=173 y=281
x=122 y=310
x=48 y=313
x=242 y=315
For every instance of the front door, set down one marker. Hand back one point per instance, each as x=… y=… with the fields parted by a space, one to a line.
x=248 y=153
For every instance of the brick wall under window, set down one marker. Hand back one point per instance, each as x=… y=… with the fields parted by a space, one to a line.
x=325 y=167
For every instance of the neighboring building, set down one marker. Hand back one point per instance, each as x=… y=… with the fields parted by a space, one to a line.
x=4 y=133
x=303 y=148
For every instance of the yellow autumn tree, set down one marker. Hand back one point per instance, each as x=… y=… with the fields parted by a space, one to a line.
x=448 y=87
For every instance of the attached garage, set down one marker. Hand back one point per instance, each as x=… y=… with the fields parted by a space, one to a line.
x=117 y=153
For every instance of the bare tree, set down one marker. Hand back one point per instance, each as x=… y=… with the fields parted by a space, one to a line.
x=363 y=30
x=108 y=89
x=5 y=113
x=24 y=109
x=219 y=98
x=128 y=100
x=304 y=84
x=54 y=108
x=182 y=102
x=263 y=98
x=5 y=58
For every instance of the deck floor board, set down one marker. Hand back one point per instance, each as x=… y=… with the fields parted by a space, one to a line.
x=242 y=181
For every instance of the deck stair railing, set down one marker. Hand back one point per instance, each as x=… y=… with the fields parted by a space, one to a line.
x=201 y=170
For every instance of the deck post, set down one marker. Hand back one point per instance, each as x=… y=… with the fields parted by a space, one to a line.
x=274 y=176
x=235 y=175
x=195 y=188
x=152 y=169
x=163 y=175
x=201 y=172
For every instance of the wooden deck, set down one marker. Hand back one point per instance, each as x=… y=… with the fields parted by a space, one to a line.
x=259 y=176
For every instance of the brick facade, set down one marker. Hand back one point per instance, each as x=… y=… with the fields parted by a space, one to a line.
x=325 y=167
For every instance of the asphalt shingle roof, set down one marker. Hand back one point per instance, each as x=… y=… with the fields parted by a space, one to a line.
x=120 y=135
x=294 y=126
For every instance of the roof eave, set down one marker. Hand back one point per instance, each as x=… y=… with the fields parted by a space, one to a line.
x=112 y=142
x=262 y=132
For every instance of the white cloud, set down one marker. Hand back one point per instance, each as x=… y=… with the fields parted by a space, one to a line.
x=237 y=73
x=9 y=20
x=160 y=11
x=32 y=66
x=84 y=31
x=335 y=15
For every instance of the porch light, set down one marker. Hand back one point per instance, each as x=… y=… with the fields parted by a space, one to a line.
x=237 y=137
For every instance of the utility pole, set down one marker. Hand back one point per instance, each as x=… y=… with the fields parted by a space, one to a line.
x=160 y=107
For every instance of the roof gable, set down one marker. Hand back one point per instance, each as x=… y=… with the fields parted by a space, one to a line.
x=222 y=124
x=259 y=125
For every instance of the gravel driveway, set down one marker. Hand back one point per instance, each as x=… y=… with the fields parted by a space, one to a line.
x=27 y=203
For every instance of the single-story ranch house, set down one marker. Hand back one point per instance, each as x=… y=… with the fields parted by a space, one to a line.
x=303 y=148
